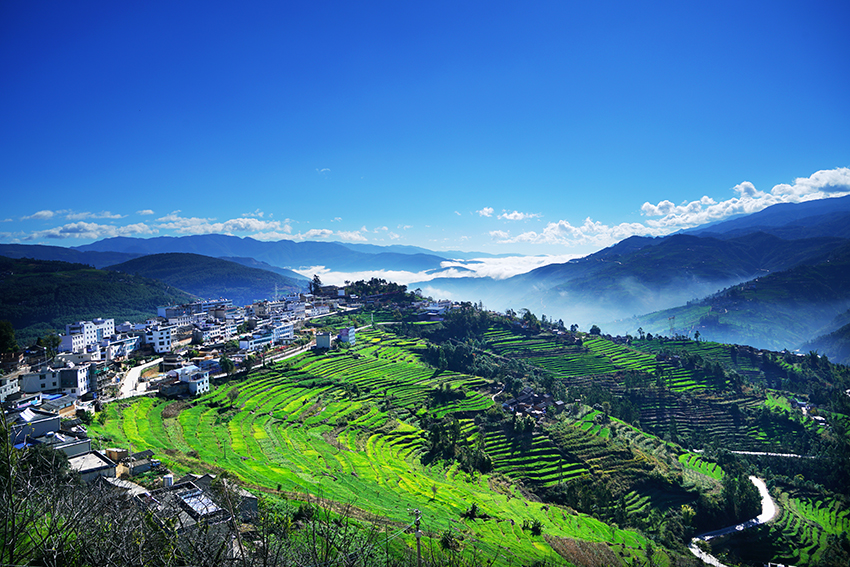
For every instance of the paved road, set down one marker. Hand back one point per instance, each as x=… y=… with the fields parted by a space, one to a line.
x=130 y=383
x=768 y=511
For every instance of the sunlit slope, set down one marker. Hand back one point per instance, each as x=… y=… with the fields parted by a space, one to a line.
x=337 y=427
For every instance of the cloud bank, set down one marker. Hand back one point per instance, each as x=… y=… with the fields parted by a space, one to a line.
x=820 y=185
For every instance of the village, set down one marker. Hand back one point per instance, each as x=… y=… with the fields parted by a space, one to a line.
x=49 y=392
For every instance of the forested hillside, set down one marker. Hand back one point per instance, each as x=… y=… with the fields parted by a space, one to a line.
x=211 y=277
x=37 y=296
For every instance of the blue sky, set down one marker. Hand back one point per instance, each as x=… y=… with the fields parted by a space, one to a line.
x=528 y=128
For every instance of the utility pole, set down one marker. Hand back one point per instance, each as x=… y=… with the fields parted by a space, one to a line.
x=418 y=537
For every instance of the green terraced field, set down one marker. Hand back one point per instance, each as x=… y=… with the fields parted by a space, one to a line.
x=345 y=425
x=300 y=428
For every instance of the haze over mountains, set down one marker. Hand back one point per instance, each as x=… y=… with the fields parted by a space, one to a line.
x=783 y=271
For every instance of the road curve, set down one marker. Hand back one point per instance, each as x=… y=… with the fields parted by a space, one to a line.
x=768 y=511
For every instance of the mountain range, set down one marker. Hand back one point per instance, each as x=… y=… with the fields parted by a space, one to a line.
x=282 y=253
x=640 y=281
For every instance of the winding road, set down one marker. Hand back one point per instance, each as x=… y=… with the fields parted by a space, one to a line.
x=768 y=511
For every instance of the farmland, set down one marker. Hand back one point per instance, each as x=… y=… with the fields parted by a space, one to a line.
x=342 y=427
x=377 y=427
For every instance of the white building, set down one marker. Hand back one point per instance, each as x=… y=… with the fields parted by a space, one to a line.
x=84 y=333
x=283 y=332
x=8 y=386
x=323 y=340
x=197 y=379
x=347 y=335
x=159 y=337
x=72 y=381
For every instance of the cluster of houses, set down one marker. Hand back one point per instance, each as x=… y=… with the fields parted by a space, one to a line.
x=534 y=404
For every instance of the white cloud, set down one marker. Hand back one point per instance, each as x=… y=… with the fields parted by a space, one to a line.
x=497 y=268
x=257 y=214
x=315 y=233
x=40 y=215
x=458 y=214
x=195 y=225
x=393 y=236
x=820 y=185
x=145 y=212
x=748 y=199
x=353 y=235
x=70 y=215
x=516 y=215
x=323 y=170
x=485 y=212
x=271 y=236
x=90 y=231
x=589 y=233
x=336 y=219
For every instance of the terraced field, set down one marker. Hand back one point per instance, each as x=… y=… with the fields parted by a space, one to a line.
x=724 y=354
x=595 y=357
x=346 y=425
x=341 y=426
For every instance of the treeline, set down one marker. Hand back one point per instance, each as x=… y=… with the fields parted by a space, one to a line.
x=375 y=286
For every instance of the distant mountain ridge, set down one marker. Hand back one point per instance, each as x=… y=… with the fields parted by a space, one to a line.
x=208 y=277
x=791 y=221
x=98 y=259
x=281 y=253
x=639 y=275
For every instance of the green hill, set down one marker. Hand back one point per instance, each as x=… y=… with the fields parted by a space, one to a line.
x=780 y=310
x=211 y=277
x=40 y=295
x=835 y=345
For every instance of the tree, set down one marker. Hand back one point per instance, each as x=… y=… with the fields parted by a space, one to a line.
x=249 y=362
x=226 y=365
x=50 y=342
x=595 y=330
x=315 y=284
x=232 y=394
x=8 y=343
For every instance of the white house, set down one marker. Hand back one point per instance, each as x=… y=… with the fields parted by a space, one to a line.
x=159 y=337
x=198 y=380
x=84 y=333
x=70 y=381
x=283 y=332
x=323 y=340
x=8 y=386
x=347 y=335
